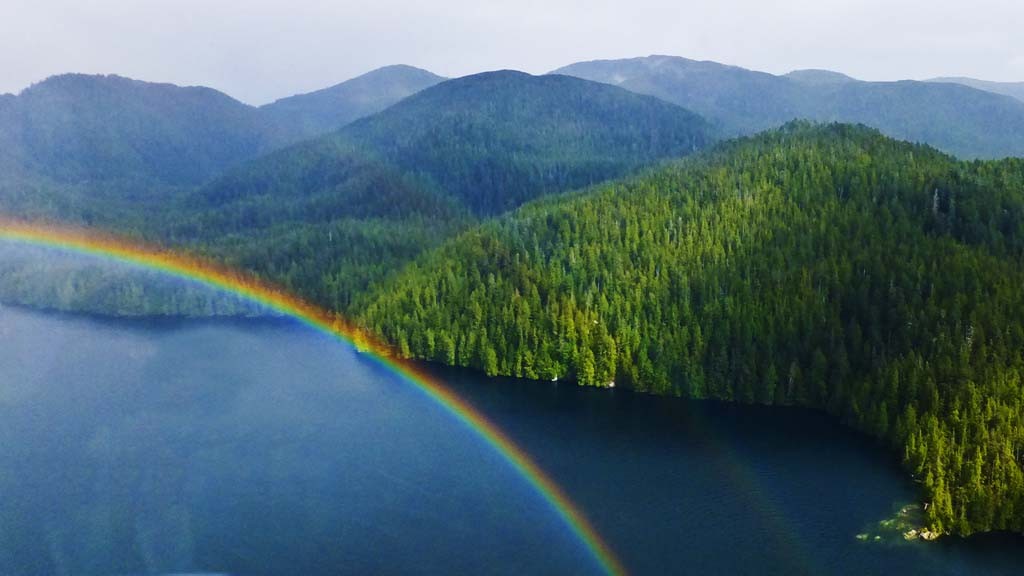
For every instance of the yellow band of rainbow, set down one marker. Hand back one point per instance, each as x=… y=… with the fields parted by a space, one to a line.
x=205 y=272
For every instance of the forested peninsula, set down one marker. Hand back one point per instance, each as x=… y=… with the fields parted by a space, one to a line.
x=821 y=266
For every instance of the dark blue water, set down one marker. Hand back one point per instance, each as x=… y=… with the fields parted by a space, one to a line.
x=261 y=447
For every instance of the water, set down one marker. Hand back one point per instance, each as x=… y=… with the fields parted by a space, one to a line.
x=261 y=447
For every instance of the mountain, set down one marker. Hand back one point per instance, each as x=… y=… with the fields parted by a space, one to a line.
x=308 y=115
x=77 y=127
x=1014 y=89
x=741 y=101
x=813 y=77
x=486 y=143
x=105 y=131
x=497 y=139
x=333 y=216
x=323 y=218
x=957 y=119
x=823 y=266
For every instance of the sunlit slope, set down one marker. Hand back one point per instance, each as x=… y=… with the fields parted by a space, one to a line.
x=333 y=216
x=823 y=266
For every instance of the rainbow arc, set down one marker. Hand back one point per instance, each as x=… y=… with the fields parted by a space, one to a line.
x=119 y=249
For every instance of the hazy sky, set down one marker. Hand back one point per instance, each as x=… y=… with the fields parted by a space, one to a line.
x=259 y=50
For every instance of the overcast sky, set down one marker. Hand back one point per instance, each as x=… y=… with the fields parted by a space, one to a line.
x=260 y=50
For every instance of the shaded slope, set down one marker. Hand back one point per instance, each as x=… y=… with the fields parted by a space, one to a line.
x=498 y=139
x=75 y=142
x=1014 y=89
x=308 y=115
x=76 y=128
x=331 y=217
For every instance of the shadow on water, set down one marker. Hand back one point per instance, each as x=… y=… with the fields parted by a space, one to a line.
x=259 y=447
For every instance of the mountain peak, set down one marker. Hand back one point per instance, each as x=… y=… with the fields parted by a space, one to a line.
x=331 y=108
x=819 y=77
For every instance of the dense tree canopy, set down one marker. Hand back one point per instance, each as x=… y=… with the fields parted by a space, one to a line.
x=821 y=266
x=825 y=266
x=331 y=217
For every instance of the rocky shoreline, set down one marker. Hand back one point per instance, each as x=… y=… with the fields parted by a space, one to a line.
x=907 y=524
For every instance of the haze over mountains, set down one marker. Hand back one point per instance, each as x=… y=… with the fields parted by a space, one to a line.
x=1014 y=89
x=90 y=128
x=309 y=115
x=958 y=119
x=80 y=130
x=386 y=165
x=341 y=211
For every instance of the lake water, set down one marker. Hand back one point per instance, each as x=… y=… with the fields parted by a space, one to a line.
x=262 y=447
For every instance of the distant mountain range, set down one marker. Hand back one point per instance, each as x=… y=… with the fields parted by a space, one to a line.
x=309 y=115
x=395 y=183
x=1014 y=89
x=78 y=128
x=96 y=132
x=332 y=215
x=965 y=121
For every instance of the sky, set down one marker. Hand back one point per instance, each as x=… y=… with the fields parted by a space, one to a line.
x=261 y=50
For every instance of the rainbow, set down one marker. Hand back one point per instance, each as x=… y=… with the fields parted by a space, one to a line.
x=119 y=249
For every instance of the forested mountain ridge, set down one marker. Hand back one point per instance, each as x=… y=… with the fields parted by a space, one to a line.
x=126 y=155
x=955 y=118
x=312 y=114
x=323 y=218
x=497 y=139
x=1014 y=89
x=822 y=266
x=333 y=216
x=106 y=130
x=330 y=217
x=87 y=128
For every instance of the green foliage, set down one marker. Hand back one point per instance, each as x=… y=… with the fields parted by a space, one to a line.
x=102 y=131
x=496 y=140
x=77 y=128
x=331 y=217
x=821 y=266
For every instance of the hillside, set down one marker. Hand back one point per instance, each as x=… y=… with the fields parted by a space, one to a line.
x=75 y=136
x=498 y=139
x=76 y=128
x=309 y=115
x=957 y=119
x=324 y=218
x=822 y=266
x=332 y=217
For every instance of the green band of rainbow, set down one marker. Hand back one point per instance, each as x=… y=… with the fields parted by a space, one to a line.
x=195 y=269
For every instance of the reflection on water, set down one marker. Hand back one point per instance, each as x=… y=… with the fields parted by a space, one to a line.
x=256 y=447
